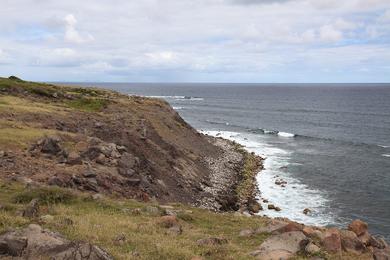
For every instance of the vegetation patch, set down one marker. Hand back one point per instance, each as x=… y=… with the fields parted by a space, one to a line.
x=88 y=104
x=46 y=195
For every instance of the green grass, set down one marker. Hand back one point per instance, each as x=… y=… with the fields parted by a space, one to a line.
x=79 y=217
x=88 y=104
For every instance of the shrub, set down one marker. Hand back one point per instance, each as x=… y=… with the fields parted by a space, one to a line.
x=46 y=195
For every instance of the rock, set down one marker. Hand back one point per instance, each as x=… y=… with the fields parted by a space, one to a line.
x=119 y=240
x=212 y=241
x=351 y=243
x=46 y=218
x=377 y=242
x=168 y=221
x=101 y=159
x=271 y=226
x=89 y=174
x=133 y=181
x=381 y=254
x=74 y=159
x=358 y=227
x=153 y=211
x=272 y=206
x=3 y=154
x=175 y=230
x=121 y=149
x=97 y=196
x=332 y=241
x=365 y=238
x=55 y=181
x=12 y=245
x=35 y=243
x=312 y=249
x=127 y=161
x=282 y=246
x=306 y=211
x=255 y=207
x=292 y=226
x=32 y=209
x=246 y=233
x=51 y=145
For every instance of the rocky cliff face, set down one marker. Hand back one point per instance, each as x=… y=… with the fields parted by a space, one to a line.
x=105 y=142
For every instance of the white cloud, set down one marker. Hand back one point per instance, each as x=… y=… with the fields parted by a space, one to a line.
x=330 y=34
x=71 y=33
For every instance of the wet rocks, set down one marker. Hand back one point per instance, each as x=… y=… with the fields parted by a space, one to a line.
x=351 y=243
x=273 y=207
x=306 y=211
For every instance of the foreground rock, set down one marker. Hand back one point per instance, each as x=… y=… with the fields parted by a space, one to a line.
x=289 y=238
x=34 y=242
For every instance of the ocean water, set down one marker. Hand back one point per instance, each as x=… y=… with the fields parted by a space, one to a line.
x=330 y=142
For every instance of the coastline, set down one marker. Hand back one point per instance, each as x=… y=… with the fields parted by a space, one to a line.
x=71 y=150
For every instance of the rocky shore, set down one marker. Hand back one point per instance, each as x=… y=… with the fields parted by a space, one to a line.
x=94 y=174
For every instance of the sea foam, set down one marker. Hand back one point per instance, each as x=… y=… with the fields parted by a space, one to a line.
x=295 y=196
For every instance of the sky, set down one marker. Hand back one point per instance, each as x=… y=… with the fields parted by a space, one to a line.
x=196 y=40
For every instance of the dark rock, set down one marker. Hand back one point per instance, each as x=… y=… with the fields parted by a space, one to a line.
x=51 y=145
x=306 y=211
x=381 y=254
x=74 y=159
x=377 y=242
x=254 y=207
x=133 y=182
x=12 y=245
x=89 y=174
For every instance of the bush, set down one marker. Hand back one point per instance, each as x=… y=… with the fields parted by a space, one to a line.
x=89 y=104
x=47 y=195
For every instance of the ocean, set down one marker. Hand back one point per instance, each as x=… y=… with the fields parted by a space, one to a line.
x=329 y=142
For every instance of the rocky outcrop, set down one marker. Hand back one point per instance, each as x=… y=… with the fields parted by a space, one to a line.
x=34 y=242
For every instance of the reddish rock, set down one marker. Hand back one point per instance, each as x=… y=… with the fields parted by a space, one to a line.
x=381 y=254
x=351 y=243
x=365 y=238
x=332 y=241
x=358 y=227
x=168 y=221
x=290 y=227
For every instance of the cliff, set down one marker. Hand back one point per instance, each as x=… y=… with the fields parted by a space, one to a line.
x=94 y=174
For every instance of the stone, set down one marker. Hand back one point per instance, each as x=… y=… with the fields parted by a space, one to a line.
x=271 y=226
x=168 y=221
x=351 y=243
x=212 y=241
x=46 y=218
x=246 y=233
x=89 y=174
x=272 y=206
x=74 y=159
x=153 y=211
x=101 y=159
x=365 y=238
x=34 y=242
x=255 y=207
x=332 y=241
x=292 y=226
x=312 y=248
x=175 y=230
x=55 y=181
x=51 y=145
x=119 y=240
x=97 y=196
x=377 y=242
x=12 y=245
x=358 y=227
x=306 y=211
x=282 y=246
x=32 y=209
x=381 y=254
x=133 y=181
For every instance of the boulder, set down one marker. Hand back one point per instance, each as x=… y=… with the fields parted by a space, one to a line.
x=34 y=242
x=50 y=145
x=272 y=206
x=292 y=226
x=312 y=248
x=377 y=242
x=254 y=207
x=358 y=227
x=365 y=238
x=271 y=227
x=351 y=243
x=74 y=159
x=381 y=254
x=212 y=241
x=281 y=246
x=332 y=240
x=306 y=211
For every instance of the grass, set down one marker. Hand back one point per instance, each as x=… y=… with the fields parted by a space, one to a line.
x=88 y=104
x=21 y=137
x=79 y=217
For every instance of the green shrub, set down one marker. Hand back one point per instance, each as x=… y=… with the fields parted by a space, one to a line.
x=46 y=195
x=88 y=104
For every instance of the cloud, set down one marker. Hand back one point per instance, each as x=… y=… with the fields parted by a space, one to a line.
x=210 y=40
x=329 y=33
x=71 y=33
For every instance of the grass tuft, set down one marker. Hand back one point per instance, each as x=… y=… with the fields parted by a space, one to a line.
x=88 y=104
x=46 y=195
